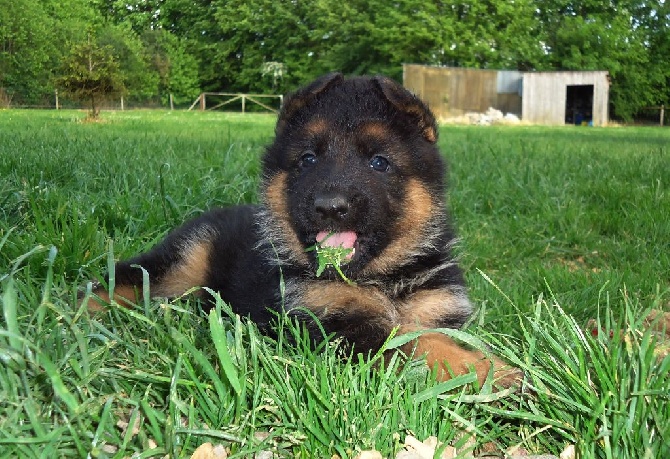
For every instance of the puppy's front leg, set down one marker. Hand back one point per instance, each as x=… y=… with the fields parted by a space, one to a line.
x=178 y=263
x=448 y=307
x=363 y=316
x=448 y=357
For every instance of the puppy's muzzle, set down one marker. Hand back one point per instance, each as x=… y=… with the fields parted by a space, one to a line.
x=331 y=207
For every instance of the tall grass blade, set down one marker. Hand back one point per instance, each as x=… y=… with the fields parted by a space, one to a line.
x=9 y=306
x=221 y=345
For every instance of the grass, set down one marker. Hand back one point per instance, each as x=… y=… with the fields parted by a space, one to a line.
x=559 y=226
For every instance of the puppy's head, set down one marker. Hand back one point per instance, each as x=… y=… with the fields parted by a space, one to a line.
x=354 y=164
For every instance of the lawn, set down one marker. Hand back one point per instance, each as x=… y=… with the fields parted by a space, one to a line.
x=558 y=226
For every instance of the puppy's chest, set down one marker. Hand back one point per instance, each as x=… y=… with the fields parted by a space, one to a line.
x=325 y=299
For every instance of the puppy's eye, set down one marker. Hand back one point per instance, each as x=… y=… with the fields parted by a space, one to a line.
x=380 y=164
x=308 y=159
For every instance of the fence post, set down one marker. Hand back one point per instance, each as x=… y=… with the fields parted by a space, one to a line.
x=662 y=114
x=171 y=102
x=202 y=101
x=57 y=105
x=121 y=103
x=243 y=103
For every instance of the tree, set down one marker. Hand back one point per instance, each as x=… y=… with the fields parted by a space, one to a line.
x=33 y=37
x=621 y=37
x=26 y=50
x=256 y=32
x=378 y=36
x=91 y=74
x=193 y=23
x=652 y=20
x=140 y=78
x=176 y=68
x=139 y=15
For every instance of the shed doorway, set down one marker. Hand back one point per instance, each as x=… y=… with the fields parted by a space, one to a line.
x=579 y=105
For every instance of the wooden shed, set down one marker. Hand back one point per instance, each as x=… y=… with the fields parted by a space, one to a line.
x=537 y=97
x=566 y=97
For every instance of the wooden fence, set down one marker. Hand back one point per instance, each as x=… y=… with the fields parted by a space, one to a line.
x=661 y=110
x=232 y=97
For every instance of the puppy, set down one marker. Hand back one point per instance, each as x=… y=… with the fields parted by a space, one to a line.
x=354 y=166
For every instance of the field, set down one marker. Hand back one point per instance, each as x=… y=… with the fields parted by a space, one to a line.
x=558 y=226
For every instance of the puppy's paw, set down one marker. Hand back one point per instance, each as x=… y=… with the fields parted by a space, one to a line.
x=452 y=360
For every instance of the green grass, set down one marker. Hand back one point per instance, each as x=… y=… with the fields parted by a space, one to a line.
x=559 y=225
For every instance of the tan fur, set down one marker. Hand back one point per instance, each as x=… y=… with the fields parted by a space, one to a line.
x=275 y=197
x=295 y=102
x=426 y=307
x=430 y=134
x=444 y=354
x=316 y=127
x=125 y=295
x=423 y=310
x=324 y=297
x=191 y=271
x=418 y=209
x=375 y=130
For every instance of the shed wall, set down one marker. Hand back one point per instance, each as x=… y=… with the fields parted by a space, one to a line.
x=456 y=91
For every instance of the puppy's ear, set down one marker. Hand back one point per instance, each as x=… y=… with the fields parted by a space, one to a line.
x=408 y=103
x=297 y=100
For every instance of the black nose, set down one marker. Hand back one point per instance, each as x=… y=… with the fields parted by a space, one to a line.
x=331 y=206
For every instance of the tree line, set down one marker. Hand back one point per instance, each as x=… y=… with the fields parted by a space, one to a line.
x=154 y=48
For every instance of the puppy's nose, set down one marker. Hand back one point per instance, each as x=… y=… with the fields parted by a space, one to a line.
x=333 y=206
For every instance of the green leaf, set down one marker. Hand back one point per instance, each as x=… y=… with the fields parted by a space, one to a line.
x=331 y=256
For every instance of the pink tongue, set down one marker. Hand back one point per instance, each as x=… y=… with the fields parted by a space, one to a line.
x=345 y=239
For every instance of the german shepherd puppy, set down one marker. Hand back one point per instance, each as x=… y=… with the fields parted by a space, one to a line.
x=354 y=164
